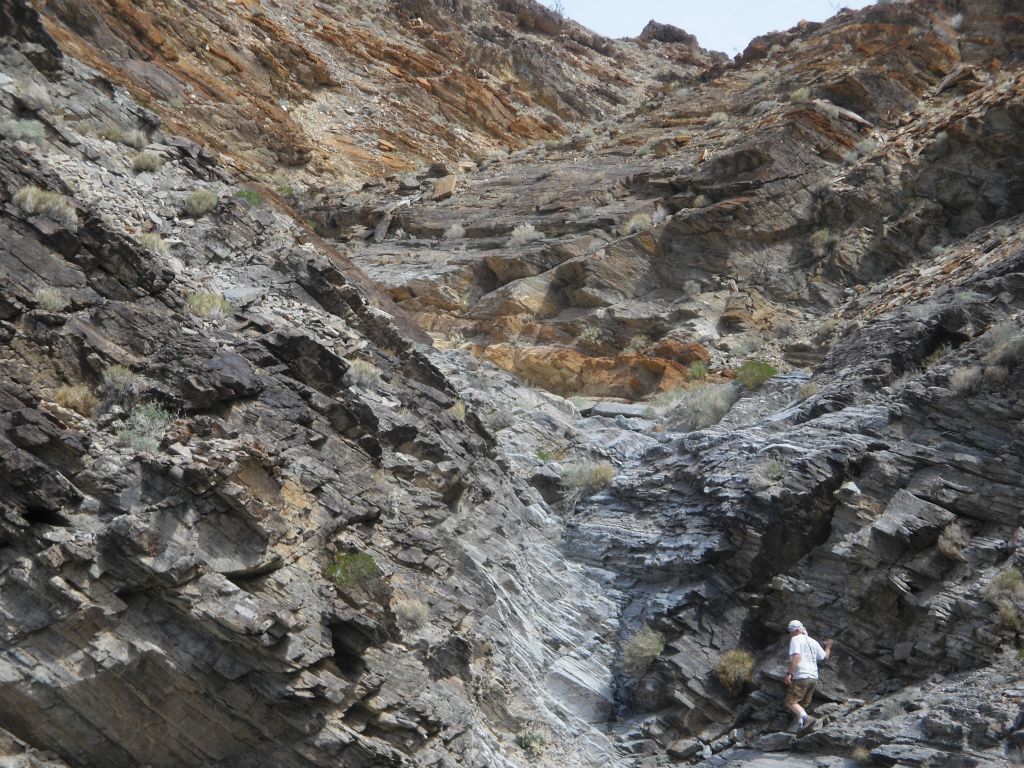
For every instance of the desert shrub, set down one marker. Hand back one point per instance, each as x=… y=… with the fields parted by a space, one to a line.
x=25 y=130
x=147 y=162
x=458 y=411
x=364 y=374
x=861 y=756
x=153 y=243
x=35 y=201
x=532 y=742
x=525 y=233
x=78 y=398
x=963 y=381
x=49 y=298
x=132 y=138
x=1006 y=592
x=200 y=203
x=350 y=569
x=808 y=390
x=735 y=669
x=698 y=370
x=638 y=344
x=763 y=107
x=952 y=541
x=455 y=232
x=589 y=336
x=251 y=196
x=588 y=476
x=996 y=374
x=819 y=241
x=773 y=469
x=800 y=95
x=145 y=427
x=207 y=304
x=636 y=223
x=701 y=407
x=753 y=373
x=118 y=381
x=1005 y=344
x=641 y=649
x=718 y=118
x=937 y=354
x=411 y=613
x=701 y=201
x=35 y=96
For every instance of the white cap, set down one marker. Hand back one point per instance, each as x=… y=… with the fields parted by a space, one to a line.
x=794 y=625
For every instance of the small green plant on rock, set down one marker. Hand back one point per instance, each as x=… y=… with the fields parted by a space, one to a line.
x=56 y=207
x=153 y=243
x=200 y=203
x=638 y=345
x=589 y=336
x=364 y=374
x=532 y=742
x=145 y=427
x=774 y=469
x=734 y=670
x=800 y=95
x=819 y=241
x=350 y=569
x=208 y=304
x=754 y=373
x=641 y=649
x=78 y=398
x=1006 y=593
x=49 y=298
x=147 y=162
x=698 y=370
x=588 y=477
x=251 y=196
x=118 y=381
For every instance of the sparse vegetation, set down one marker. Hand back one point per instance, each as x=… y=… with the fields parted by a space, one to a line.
x=23 y=130
x=773 y=469
x=641 y=649
x=153 y=243
x=734 y=670
x=1005 y=345
x=861 y=756
x=589 y=476
x=364 y=374
x=147 y=162
x=350 y=569
x=532 y=742
x=701 y=201
x=638 y=345
x=808 y=390
x=820 y=240
x=637 y=223
x=754 y=373
x=200 y=203
x=35 y=201
x=145 y=427
x=455 y=232
x=937 y=354
x=701 y=407
x=118 y=381
x=589 y=336
x=133 y=137
x=78 y=398
x=34 y=96
x=717 y=118
x=525 y=233
x=49 y=298
x=964 y=381
x=411 y=613
x=800 y=95
x=251 y=196
x=458 y=411
x=763 y=107
x=952 y=541
x=698 y=370
x=208 y=304
x=1006 y=592
x=544 y=455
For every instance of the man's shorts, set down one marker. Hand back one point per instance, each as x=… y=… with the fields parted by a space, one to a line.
x=801 y=692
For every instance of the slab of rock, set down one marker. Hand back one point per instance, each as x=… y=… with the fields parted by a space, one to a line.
x=444 y=187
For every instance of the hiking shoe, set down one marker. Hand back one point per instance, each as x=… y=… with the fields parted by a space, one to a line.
x=805 y=722
x=797 y=724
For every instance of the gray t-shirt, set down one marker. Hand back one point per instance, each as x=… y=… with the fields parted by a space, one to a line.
x=810 y=654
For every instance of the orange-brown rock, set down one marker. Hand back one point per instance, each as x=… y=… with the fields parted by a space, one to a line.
x=681 y=352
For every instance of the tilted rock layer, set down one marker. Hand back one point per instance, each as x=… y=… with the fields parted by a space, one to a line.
x=249 y=515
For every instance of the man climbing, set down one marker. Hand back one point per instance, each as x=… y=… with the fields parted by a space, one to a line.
x=804 y=655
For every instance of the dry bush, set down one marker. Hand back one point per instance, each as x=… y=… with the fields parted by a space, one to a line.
x=455 y=232
x=78 y=398
x=808 y=390
x=588 y=476
x=200 y=203
x=1006 y=592
x=411 y=614
x=800 y=95
x=145 y=427
x=964 y=381
x=458 y=411
x=952 y=541
x=734 y=670
x=638 y=345
x=1005 y=345
x=153 y=243
x=147 y=162
x=525 y=233
x=701 y=407
x=118 y=381
x=24 y=130
x=717 y=118
x=641 y=649
x=35 y=201
x=34 y=96
x=208 y=304
x=49 y=298
x=364 y=374
x=637 y=223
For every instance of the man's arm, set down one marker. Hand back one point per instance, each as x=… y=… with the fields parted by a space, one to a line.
x=794 y=660
x=828 y=649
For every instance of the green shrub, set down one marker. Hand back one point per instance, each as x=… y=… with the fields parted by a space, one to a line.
x=589 y=476
x=1006 y=592
x=153 y=243
x=200 y=203
x=820 y=240
x=365 y=374
x=118 y=381
x=35 y=201
x=147 y=162
x=641 y=649
x=773 y=469
x=753 y=373
x=701 y=407
x=23 y=130
x=146 y=425
x=800 y=95
x=78 y=398
x=532 y=742
x=49 y=298
x=350 y=569
x=525 y=233
x=208 y=304
x=698 y=370
x=589 y=336
x=251 y=196
x=638 y=344
x=734 y=670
